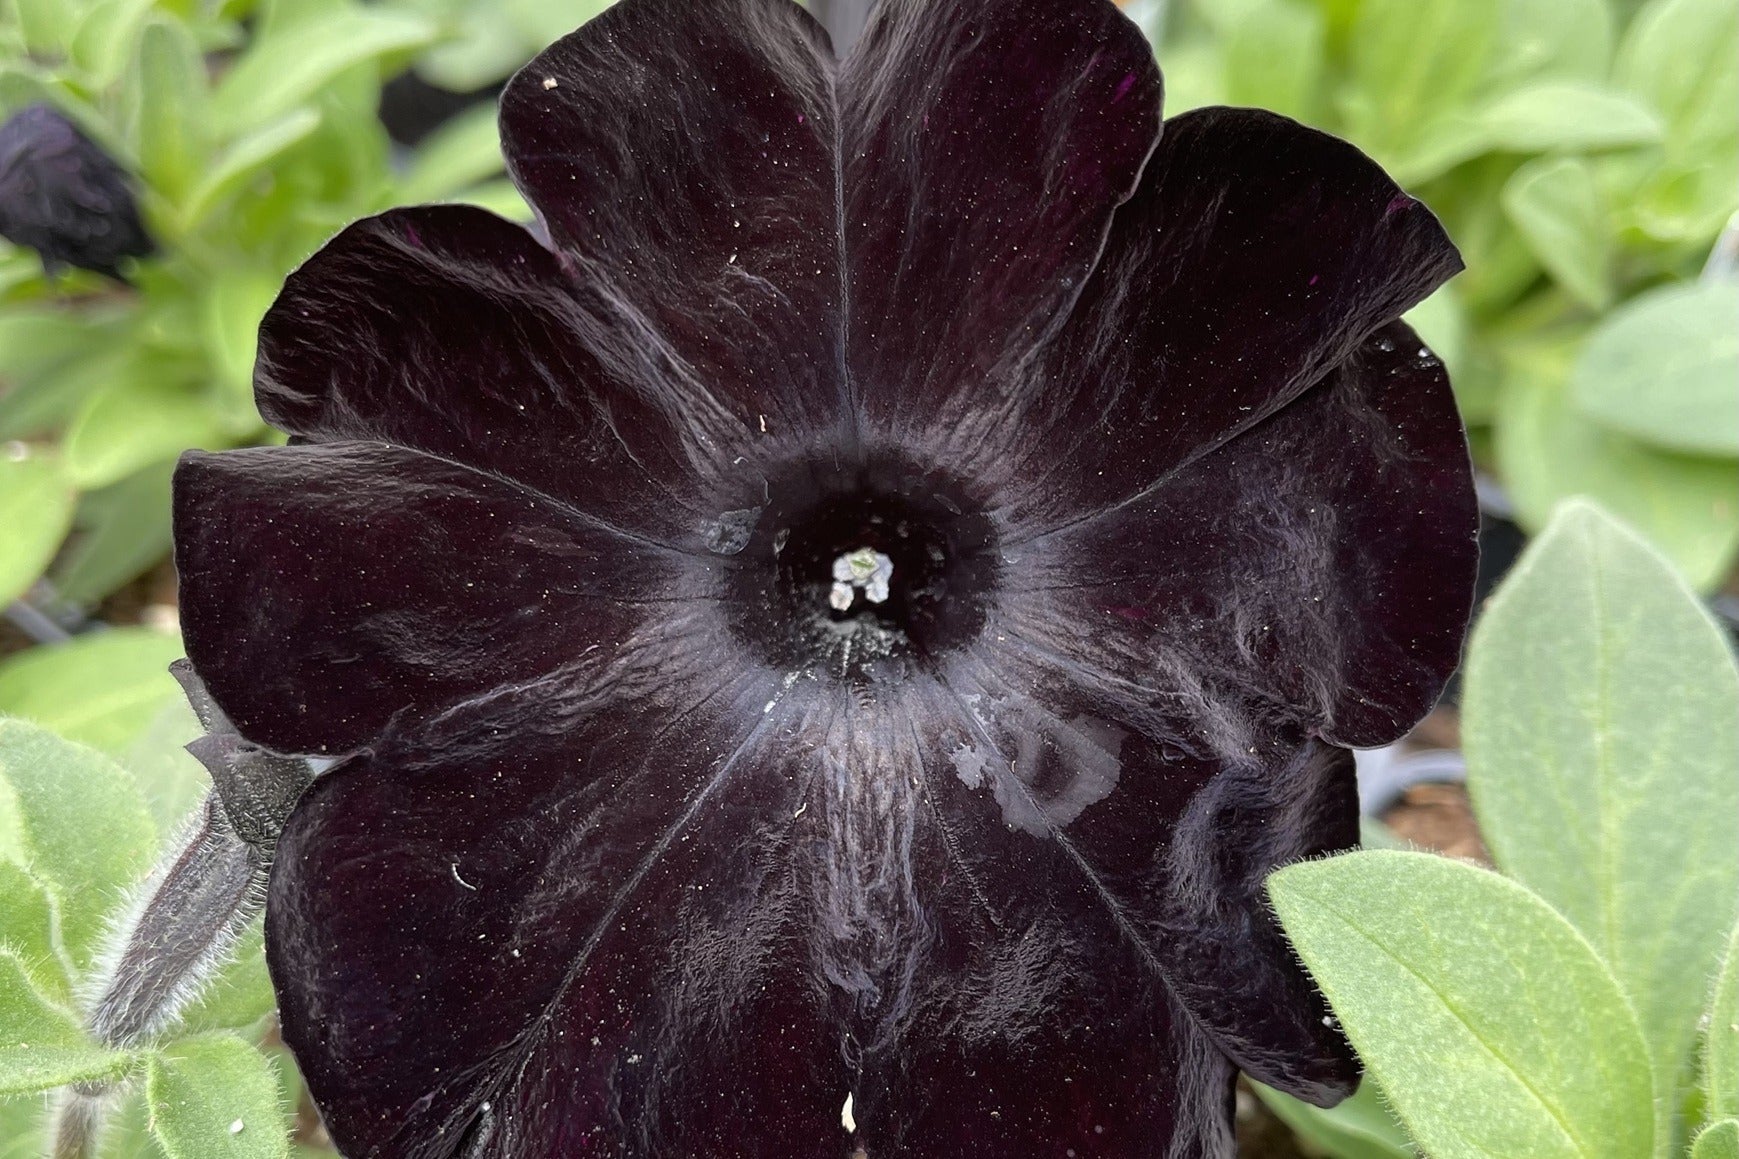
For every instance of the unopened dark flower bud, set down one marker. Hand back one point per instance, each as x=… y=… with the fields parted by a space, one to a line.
x=65 y=198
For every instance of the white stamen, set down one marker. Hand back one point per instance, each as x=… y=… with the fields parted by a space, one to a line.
x=864 y=568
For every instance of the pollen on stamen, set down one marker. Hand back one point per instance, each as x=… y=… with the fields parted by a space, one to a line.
x=863 y=568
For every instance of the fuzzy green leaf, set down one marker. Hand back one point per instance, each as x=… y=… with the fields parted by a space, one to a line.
x=1721 y=1044
x=82 y=825
x=41 y=1044
x=1558 y=208
x=99 y=689
x=216 y=1098
x=1548 y=452
x=1358 y=1128
x=36 y=508
x=27 y=925
x=288 y=66
x=1601 y=725
x=1489 y=1021
x=132 y=425
x=1664 y=368
x=1718 y=1141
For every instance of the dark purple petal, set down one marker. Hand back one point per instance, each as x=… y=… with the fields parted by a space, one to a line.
x=1224 y=954
x=573 y=925
x=327 y=590
x=676 y=907
x=1315 y=571
x=653 y=841
x=1035 y=1021
x=451 y=331
x=1256 y=255
x=986 y=143
x=1163 y=841
x=682 y=154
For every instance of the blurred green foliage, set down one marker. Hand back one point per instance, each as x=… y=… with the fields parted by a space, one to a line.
x=253 y=135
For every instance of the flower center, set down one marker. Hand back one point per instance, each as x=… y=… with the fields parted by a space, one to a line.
x=865 y=568
x=851 y=571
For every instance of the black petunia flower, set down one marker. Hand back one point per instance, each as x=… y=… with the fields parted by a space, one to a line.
x=65 y=198
x=824 y=654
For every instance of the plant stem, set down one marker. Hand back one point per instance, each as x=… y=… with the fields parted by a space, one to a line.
x=205 y=891
x=208 y=888
x=77 y=1121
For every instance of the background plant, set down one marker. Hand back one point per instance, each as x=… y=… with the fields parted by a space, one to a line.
x=253 y=135
x=1581 y=1001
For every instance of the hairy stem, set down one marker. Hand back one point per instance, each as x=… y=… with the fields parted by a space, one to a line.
x=77 y=1121
x=204 y=892
x=195 y=905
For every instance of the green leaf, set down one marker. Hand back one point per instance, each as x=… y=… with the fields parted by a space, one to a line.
x=83 y=824
x=1559 y=210
x=172 y=781
x=1565 y=39
x=459 y=154
x=41 y=1044
x=1358 y=1128
x=1274 y=57
x=499 y=197
x=235 y=301
x=47 y=25
x=1682 y=58
x=1195 y=74
x=36 y=339
x=27 y=923
x=42 y=401
x=1721 y=1043
x=121 y=531
x=1412 y=60
x=216 y=1098
x=22 y=1122
x=288 y=66
x=244 y=160
x=1561 y=114
x=540 y=22
x=99 y=689
x=1489 y=1021
x=1718 y=1141
x=132 y=425
x=170 y=123
x=1664 y=368
x=108 y=30
x=36 y=508
x=1601 y=725
x=1442 y=322
x=1547 y=452
x=1548 y=114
